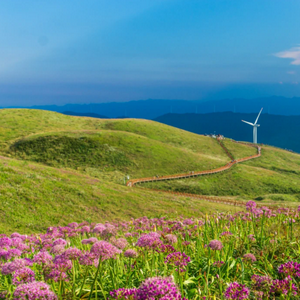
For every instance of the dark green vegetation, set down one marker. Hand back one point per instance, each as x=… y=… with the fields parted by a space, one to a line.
x=59 y=169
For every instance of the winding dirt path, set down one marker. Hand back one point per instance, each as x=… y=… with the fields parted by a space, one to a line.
x=133 y=182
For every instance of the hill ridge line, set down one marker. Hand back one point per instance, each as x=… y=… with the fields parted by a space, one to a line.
x=133 y=182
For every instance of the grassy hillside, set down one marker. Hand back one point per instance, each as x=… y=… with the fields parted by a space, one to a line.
x=275 y=176
x=59 y=168
x=20 y=123
x=239 y=150
x=108 y=151
x=106 y=148
x=79 y=151
x=34 y=197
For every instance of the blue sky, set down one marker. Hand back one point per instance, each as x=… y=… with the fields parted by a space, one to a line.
x=57 y=52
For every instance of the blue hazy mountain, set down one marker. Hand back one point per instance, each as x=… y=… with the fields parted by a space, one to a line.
x=276 y=130
x=150 y=109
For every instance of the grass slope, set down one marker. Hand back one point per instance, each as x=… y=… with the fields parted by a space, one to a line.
x=34 y=197
x=84 y=156
x=20 y=123
x=239 y=150
x=108 y=151
x=273 y=176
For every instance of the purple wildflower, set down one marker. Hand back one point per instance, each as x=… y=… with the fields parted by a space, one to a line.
x=73 y=225
x=88 y=259
x=283 y=287
x=58 y=269
x=16 y=241
x=104 y=250
x=57 y=250
x=171 y=238
x=290 y=268
x=165 y=248
x=237 y=291
x=261 y=284
x=249 y=257
x=85 y=228
x=4 y=254
x=250 y=205
x=10 y=253
x=99 y=228
x=24 y=275
x=131 y=253
x=109 y=231
x=34 y=291
x=188 y=222
x=72 y=253
x=5 y=242
x=120 y=243
x=149 y=240
x=158 y=288
x=215 y=245
x=15 y=265
x=42 y=257
x=60 y=242
x=178 y=259
x=15 y=234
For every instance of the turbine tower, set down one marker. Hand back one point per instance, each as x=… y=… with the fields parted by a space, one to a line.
x=255 y=125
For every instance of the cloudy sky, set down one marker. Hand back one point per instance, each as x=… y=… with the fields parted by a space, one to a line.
x=57 y=52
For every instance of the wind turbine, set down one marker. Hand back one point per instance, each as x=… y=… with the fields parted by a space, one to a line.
x=255 y=125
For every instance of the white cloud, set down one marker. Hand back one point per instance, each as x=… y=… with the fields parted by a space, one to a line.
x=293 y=53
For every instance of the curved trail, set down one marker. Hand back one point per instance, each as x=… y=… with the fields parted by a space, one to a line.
x=133 y=182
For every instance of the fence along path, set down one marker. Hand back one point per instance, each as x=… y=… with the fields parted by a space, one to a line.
x=133 y=182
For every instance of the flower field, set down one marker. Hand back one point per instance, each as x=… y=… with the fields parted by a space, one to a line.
x=246 y=255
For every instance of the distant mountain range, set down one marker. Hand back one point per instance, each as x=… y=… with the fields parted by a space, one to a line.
x=150 y=109
x=280 y=131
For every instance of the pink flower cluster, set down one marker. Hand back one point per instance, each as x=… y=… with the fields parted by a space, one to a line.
x=152 y=288
x=178 y=259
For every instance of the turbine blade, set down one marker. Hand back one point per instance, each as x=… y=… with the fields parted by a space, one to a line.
x=258 y=116
x=248 y=123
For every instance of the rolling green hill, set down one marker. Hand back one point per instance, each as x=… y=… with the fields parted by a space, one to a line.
x=20 y=123
x=34 y=197
x=55 y=169
x=110 y=151
x=273 y=176
x=106 y=148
